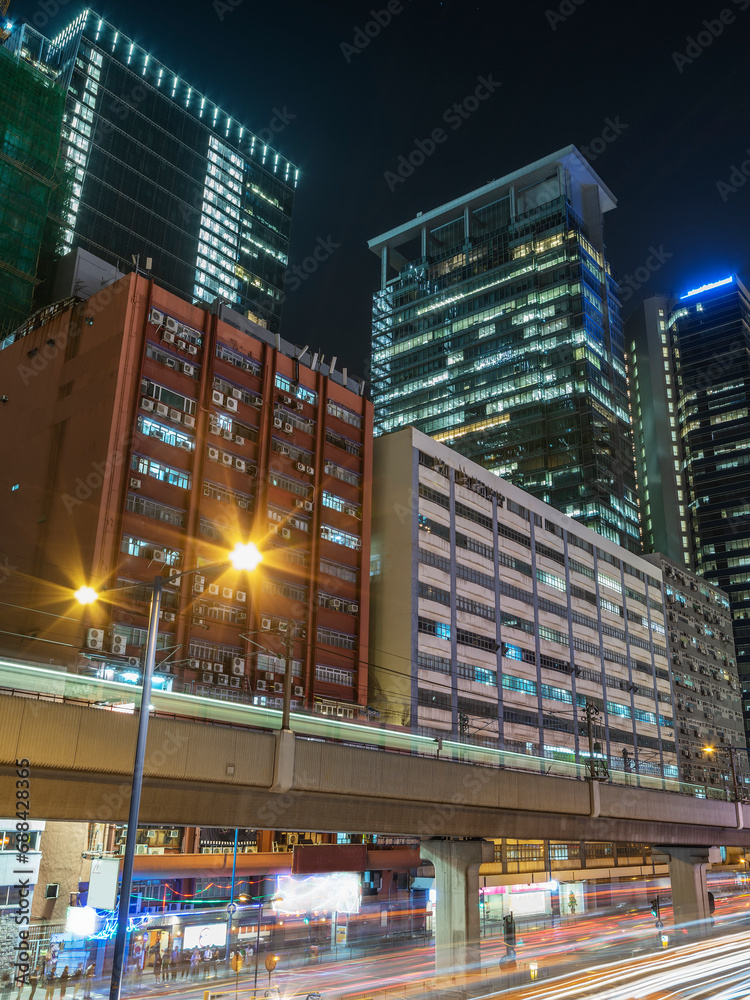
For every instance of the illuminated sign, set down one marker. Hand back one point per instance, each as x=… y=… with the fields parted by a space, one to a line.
x=707 y=288
x=81 y=921
x=339 y=892
x=495 y=890
x=205 y=936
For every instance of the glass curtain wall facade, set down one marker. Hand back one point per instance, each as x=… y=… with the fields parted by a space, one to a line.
x=161 y=172
x=501 y=336
x=710 y=330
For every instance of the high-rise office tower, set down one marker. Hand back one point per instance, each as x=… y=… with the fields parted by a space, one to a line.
x=31 y=110
x=658 y=455
x=162 y=174
x=708 y=349
x=500 y=335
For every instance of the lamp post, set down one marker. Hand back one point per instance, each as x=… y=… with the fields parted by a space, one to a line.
x=732 y=763
x=244 y=557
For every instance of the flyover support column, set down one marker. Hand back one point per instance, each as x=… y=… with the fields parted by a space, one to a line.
x=457 y=928
x=687 y=873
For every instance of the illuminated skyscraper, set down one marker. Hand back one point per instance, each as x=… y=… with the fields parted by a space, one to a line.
x=500 y=335
x=162 y=174
x=702 y=349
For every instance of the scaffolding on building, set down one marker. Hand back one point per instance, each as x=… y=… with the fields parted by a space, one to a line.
x=31 y=112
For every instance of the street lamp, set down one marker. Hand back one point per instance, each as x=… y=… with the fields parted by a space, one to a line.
x=730 y=752
x=244 y=557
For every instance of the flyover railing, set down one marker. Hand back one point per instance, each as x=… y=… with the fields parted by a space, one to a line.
x=31 y=680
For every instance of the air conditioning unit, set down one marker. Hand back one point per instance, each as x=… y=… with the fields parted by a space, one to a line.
x=241 y=595
x=334 y=603
x=172 y=324
x=119 y=643
x=260 y=685
x=238 y=665
x=169 y=616
x=175 y=415
x=168 y=338
x=278 y=423
x=227 y=435
x=95 y=638
x=133 y=661
x=162 y=410
x=231 y=404
x=221 y=679
x=300 y=405
x=227 y=592
x=214 y=454
x=299 y=503
x=278 y=688
x=155 y=317
x=170 y=363
x=181 y=344
x=283 y=450
x=300 y=466
x=207 y=678
x=238 y=439
x=299 y=692
x=310 y=470
x=194 y=664
x=283 y=625
x=286 y=533
x=141 y=848
x=256 y=401
x=226 y=458
x=198 y=584
x=147 y=404
x=207 y=665
x=308 y=505
x=242 y=504
x=135 y=484
x=270 y=675
x=159 y=556
x=213 y=588
x=234 y=682
x=265 y=623
x=217 y=397
x=188 y=369
x=239 y=463
x=353 y=609
x=288 y=428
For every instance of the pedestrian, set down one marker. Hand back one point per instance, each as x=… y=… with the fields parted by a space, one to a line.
x=165 y=964
x=49 y=985
x=157 y=967
x=87 y=977
x=185 y=963
x=6 y=985
x=76 y=980
x=175 y=962
x=207 y=955
x=63 y=981
x=33 y=982
x=194 y=961
x=216 y=962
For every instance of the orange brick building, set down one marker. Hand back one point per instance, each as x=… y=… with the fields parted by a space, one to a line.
x=143 y=436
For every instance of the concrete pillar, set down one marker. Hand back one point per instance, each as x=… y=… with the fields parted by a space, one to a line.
x=456 y=865
x=687 y=873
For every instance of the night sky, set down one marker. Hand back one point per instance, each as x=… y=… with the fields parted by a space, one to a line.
x=675 y=114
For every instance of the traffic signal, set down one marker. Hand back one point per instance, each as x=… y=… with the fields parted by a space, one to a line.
x=509 y=930
x=655 y=907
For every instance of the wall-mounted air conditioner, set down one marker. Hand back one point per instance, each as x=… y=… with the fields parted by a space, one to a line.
x=241 y=595
x=147 y=404
x=299 y=691
x=213 y=453
x=119 y=643
x=208 y=678
x=217 y=397
x=188 y=369
x=260 y=685
x=278 y=688
x=226 y=458
x=222 y=679
x=265 y=623
x=234 y=682
x=95 y=638
x=278 y=423
x=155 y=317
x=135 y=484
x=231 y=404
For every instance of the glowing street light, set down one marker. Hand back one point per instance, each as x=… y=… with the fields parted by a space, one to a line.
x=245 y=557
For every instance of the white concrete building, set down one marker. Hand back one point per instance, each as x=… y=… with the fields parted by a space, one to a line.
x=496 y=618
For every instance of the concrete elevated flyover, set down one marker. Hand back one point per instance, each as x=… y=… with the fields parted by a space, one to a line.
x=203 y=773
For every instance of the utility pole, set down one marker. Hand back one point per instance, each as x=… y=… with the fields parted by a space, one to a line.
x=463 y=726
x=597 y=768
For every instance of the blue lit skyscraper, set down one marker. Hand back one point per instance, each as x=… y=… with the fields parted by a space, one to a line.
x=499 y=334
x=159 y=171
